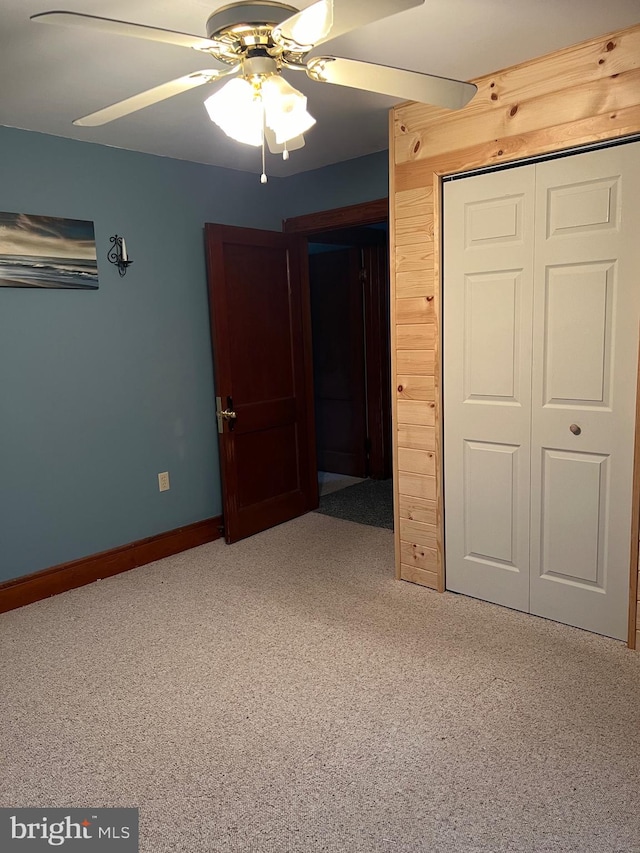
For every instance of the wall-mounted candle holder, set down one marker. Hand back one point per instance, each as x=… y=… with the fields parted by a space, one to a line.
x=117 y=254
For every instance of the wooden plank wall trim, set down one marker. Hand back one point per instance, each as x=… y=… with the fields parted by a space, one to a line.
x=393 y=353
x=34 y=587
x=583 y=94
x=436 y=197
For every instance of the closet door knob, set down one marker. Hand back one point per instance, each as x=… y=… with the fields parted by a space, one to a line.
x=575 y=429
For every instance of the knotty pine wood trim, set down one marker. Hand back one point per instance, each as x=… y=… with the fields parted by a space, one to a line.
x=34 y=587
x=583 y=94
x=414 y=574
x=437 y=200
x=393 y=354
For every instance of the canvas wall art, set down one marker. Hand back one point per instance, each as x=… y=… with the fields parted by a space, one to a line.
x=47 y=251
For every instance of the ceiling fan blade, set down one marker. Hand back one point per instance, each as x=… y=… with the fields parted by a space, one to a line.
x=124 y=28
x=151 y=96
x=278 y=147
x=408 y=85
x=328 y=19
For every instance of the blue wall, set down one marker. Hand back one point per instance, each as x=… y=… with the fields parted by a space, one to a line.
x=100 y=390
x=364 y=179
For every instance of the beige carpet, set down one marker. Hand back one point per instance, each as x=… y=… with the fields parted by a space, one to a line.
x=286 y=694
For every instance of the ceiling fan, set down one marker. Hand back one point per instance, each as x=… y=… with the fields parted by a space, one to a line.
x=254 y=42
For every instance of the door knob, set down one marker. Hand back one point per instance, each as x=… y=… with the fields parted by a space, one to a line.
x=227 y=414
x=575 y=429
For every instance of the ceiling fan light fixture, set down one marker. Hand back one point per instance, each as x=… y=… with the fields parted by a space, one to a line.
x=284 y=148
x=292 y=126
x=285 y=109
x=259 y=38
x=237 y=110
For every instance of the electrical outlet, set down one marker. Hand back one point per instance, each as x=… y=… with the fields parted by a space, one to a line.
x=163 y=481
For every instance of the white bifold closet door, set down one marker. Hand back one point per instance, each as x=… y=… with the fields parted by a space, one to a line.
x=541 y=311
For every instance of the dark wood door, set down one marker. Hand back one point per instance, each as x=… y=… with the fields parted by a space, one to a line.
x=258 y=298
x=337 y=315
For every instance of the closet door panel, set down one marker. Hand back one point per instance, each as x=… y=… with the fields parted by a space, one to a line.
x=586 y=313
x=487 y=303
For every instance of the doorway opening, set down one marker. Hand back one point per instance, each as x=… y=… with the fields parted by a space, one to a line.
x=349 y=307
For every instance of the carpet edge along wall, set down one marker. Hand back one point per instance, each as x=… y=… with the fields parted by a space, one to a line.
x=28 y=589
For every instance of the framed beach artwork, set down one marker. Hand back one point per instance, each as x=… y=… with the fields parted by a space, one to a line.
x=47 y=251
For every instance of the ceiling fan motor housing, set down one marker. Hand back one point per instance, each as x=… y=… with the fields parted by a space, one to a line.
x=245 y=29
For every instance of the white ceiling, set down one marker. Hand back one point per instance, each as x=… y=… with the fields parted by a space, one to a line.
x=50 y=75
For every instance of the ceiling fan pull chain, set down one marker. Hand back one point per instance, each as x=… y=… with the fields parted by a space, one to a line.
x=263 y=176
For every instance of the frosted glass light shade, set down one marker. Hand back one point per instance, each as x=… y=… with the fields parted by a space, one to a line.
x=237 y=111
x=242 y=110
x=285 y=109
